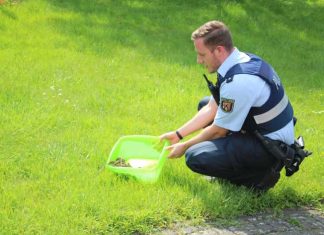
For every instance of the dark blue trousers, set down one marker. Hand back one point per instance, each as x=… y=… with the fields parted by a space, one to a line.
x=239 y=158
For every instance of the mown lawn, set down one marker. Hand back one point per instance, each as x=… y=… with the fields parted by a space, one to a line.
x=77 y=75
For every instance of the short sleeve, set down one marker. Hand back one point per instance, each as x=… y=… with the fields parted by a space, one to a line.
x=236 y=99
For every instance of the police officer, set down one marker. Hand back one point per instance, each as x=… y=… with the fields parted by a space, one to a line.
x=251 y=98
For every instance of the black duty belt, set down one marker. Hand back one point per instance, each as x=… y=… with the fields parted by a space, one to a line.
x=291 y=155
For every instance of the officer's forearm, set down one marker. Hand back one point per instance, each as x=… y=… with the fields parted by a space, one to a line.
x=209 y=133
x=200 y=120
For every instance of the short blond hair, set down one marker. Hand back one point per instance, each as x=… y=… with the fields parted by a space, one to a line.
x=215 y=33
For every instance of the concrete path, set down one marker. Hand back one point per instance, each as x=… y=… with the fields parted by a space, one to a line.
x=291 y=222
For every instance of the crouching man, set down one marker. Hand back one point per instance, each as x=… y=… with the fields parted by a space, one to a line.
x=248 y=98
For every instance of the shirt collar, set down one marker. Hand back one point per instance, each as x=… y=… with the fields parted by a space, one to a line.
x=234 y=58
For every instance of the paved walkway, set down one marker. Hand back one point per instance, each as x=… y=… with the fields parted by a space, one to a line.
x=291 y=222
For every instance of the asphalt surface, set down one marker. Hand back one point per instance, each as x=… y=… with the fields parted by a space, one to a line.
x=291 y=221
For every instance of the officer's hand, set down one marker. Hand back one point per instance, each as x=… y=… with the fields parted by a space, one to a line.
x=171 y=137
x=176 y=150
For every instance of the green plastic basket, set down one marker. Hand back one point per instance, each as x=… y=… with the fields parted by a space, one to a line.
x=138 y=149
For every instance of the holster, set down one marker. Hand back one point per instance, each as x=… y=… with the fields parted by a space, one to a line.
x=290 y=155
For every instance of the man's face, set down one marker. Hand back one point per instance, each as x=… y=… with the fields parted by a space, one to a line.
x=210 y=59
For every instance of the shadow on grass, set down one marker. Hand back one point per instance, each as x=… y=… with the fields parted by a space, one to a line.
x=152 y=28
x=7 y=13
x=223 y=200
x=161 y=30
x=288 y=34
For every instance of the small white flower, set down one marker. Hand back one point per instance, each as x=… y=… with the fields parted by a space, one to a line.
x=52 y=88
x=318 y=112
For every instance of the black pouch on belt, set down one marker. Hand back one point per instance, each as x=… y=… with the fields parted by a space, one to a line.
x=291 y=155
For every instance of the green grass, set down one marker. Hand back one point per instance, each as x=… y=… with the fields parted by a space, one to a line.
x=77 y=75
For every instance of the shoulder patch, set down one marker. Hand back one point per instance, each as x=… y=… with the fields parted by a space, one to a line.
x=227 y=105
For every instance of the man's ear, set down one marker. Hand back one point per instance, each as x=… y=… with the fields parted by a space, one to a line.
x=219 y=50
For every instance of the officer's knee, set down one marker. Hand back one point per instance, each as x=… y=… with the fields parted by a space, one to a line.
x=206 y=162
x=195 y=160
x=191 y=159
